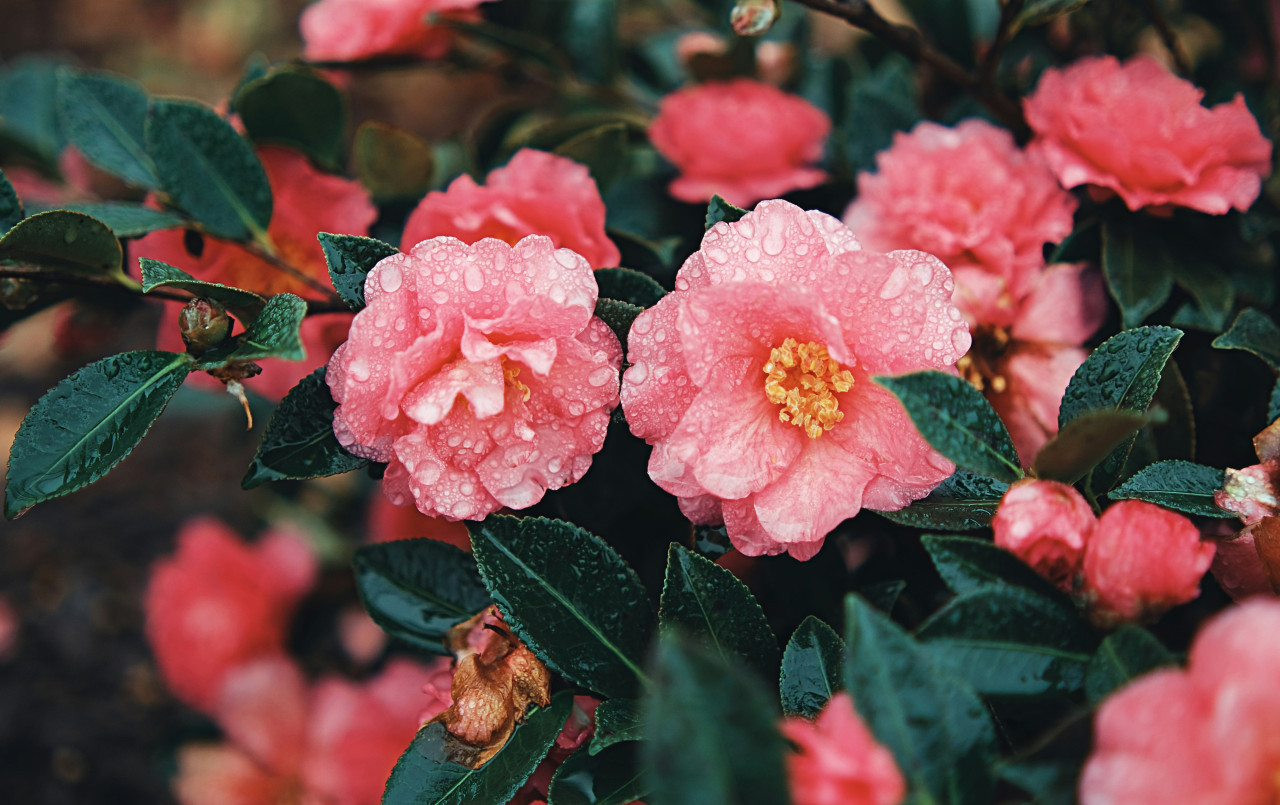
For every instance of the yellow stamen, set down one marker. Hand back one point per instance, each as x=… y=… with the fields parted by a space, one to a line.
x=804 y=380
x=509 y=375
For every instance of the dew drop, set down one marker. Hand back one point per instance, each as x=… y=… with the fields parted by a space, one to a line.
x=390 y=278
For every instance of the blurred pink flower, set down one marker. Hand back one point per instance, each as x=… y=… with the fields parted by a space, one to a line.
x=388 y=522
x=306 y=202
x=838 y=761
x=752 y=379
x=352 y=30
x=535 y=193
x=219 y=603
x=1251 y=493
x=1238 y=567
x=1047 y=525
x=1139 y=131
x=1140 y=561
x=742 y=139
x=478 y=373
x=970 y=197
x=1206 y=734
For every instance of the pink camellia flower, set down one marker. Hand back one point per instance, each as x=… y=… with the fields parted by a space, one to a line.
x=1252 y=494
x=752 y=380
x=838 y=761
x=970 y=197
x=220 y=603
x=1142 y=560
x=1205 y=734
x=1047 y=525
x=775 y=140
x=352 y=30
x=1139 y=131
x=536 y=193
x=306 y=202
x=478 y=373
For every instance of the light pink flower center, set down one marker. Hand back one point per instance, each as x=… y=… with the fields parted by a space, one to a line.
x=981 y=366
x=509 y=375
x=804 y=380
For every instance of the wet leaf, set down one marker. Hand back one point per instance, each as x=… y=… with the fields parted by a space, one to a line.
x=63 y=241
x=350 y=258
x=246 y=306
x=630 y=286
x=274 y=333
x=127 y=220
x=811 y=668
x=720 y=210
x=967 y=564
x=617 y=721
x=963 y=502
x=1256 y=333
x=619 y=316
x=1179 y=485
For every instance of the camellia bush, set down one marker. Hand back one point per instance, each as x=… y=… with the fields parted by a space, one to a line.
x=828 y=402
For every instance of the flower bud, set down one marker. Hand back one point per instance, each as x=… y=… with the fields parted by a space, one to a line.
x=1045 y=524
x=204 y=324
x=753 y=17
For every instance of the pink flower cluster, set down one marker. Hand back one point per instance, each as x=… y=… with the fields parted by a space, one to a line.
x=353 y=30
x=752 y=380
x=838 y=762
x=1133 y=563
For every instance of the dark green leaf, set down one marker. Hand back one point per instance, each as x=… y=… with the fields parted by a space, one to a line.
x=569 y=597
x=1178 y=485
x=967 y=564
x=299 y=442
x=1137 y=268
x=424 y=775
x=1007 y=641
x=603 y=150
x=658 y=254
x=946 y=22
x=957 y=421
x=392 y=163
x=1050 y=782
x=244 y=305
x=88 y=423
x=209 y=170
x=127 y=220
x=607 y=778
x=1126 y=654
x=617 y=720
x=619 y=316
x=711 y=736
x=105 y=116
x=350 y=257
x=1273 y=407
x=1211 y=289
x=1084 y=442
x=884 y=595
x=1038 y=12
x=28 y=110
x=274 y=334
x=708 y=602
x=297 y=108
x=590 y=39
x=417 y=589
x=811 y=671
x=963 y=502
x=934 y=724
x=720 y=210
x=10 y=206
x=883 y=102
x=628 y=285
x=1253 y=332
x=63 y=241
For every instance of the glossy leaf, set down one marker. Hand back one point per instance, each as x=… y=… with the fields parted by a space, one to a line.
x=1256 y=333
x=957 y=421
x=274 y=333
x=88 y=423
x=295 y=108
x=610 y=777
x=394 y=164
x=603 y=150
x=1123 y=656
x=350 y=258
x=569 y=597
x=425 y=776
x=1084 y=442
x=708 y=602
x=1179 y=485
x=967 y=564
x=619 y=316
x=712 y=735
x=963 y=502
x=127 y=220
x=720 y=210
x=10 y=206
x=208 y=170
x=811 y=668
x=1137 y=268
x=417 y=589
x=938 y=730
x=299 y=442
x=617 y=721
x=630 y=286
x=63 y=241
x=1211 y=289
x=244 y=305
x=1007 y=641
x=105 y=117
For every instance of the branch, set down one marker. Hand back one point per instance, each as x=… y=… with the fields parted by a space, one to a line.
x=314 y=284
x=1168 y=36
x=1009 y=11
x=909 y=42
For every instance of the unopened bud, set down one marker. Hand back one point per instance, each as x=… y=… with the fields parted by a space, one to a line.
x=753 y=17
x=204 y=325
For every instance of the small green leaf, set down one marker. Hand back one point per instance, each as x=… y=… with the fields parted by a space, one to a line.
x=811 y=668
x=708 y=602
x=350 y=258
x=1006 y=641
x=720 y=210
x=937 y=728
x=603 y=150
x=63 y=241
x=1137 y=268
x=1178 y=485
x=628 y=285
x=957 y=421
x=881 y=103
x=711 y=735
x=394 y=164
x=1124 y=655
x=208 y=170
x=417 y=589
x=1038 y=12
x=88 y=423
x=617 y=721
x=606 y=778
x=424 y=775
x=127 y=220
x=967 y=564
x=1253 y=332
x=28 y=110
x=1211 y=289
x=298 y=108
x=244 y=305
x=1084 y=442
x=569 y=597
x=963 y=502
x=10 y=206
x=590 y=37
x=299 y=442
x=619 y=316
x=104 y=116
x=274 y=334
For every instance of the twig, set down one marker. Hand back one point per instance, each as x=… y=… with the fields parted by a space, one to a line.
x=1009 y=10
x=909 y=42
x=1168 y=36
x=293 y=271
